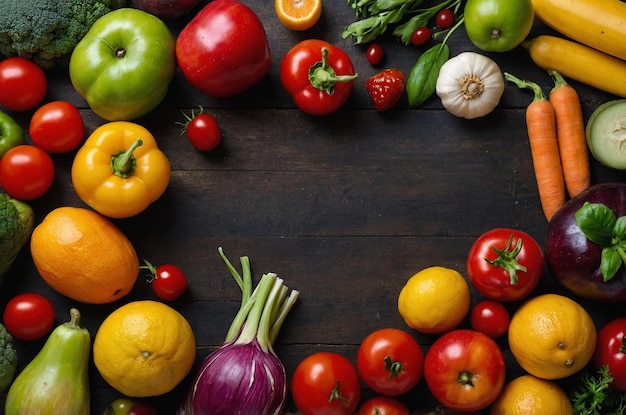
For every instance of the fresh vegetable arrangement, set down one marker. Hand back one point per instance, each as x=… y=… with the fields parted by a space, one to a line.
x=217 y=57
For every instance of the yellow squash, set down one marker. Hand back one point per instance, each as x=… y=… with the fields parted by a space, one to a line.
x=579 y=62
x=600 y=24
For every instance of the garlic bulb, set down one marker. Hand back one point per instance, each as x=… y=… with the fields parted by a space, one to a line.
x=470 y=85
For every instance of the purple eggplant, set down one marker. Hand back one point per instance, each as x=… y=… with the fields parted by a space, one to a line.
x=575 y=260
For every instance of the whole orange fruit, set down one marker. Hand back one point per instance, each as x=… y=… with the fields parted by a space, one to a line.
x=529 y=395
x=144 y=348
x=434 y=300
x=84 y=256
x=552 y=336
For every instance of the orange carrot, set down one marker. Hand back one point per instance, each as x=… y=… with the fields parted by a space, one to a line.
x=541 y=129
x=570 y=134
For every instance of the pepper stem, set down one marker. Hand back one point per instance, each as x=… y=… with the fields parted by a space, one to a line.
x=123 y=163
x=322 y=76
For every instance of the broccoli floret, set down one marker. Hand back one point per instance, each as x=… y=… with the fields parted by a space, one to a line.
x=8 y=359
x=47 y=31
x=16 y=225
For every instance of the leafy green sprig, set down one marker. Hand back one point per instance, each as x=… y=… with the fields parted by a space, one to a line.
x=601 y=226
x=376 y=16
x=594 y=395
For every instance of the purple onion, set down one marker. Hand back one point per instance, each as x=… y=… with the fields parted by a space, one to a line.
x=244 y=376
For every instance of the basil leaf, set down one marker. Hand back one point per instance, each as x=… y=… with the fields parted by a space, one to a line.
x=619 y=230
x=610 y=263
x=422 y=80
x=597 y=222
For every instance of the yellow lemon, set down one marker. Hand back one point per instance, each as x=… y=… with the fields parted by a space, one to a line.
x=144 y=348
x=552 y=336
x=529 y=395
x=434 y=300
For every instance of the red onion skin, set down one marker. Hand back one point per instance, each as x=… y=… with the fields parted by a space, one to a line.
x=238 y=379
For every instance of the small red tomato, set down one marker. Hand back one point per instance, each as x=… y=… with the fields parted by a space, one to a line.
x=326 y=383
x=23 y=84
x=28 y=316
x=611 y=351
x=445 y=18
x=202 y=130
x=490 y=317
x=390 y=361
x=383 y=405
x=420 y=36
x=57 y=127
x=374 y=54
x=168 y=281
x=26 y=172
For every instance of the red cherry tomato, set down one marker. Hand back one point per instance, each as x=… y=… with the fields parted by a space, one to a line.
x=505 y=264
x=57 y=127
x=26 y=172
x=611 y=351
x=421 y=36
x=490 y=317
x=374 y=54
x=28 y=316
x=23 y=84
x=203 y=131
x=326 y=383
x=390 y=361
x=168 y=281
x=445 y=18
x=465 y=370
x=383 y=405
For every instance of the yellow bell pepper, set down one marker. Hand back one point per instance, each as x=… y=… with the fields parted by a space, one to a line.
x=119 y=170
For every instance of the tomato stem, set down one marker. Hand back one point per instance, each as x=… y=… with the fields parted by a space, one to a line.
x=465 y=379
x=123 y=164
x=393 y=367
x=322 y=76
x=335 y=395
x=507 y=259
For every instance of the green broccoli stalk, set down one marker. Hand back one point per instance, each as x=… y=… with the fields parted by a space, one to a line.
x=16 y=225
x=8 y=359
x=47 y=31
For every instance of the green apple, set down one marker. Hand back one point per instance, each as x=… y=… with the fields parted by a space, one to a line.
x=498 y=25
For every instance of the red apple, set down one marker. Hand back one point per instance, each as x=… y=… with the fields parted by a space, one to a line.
x=168 y=9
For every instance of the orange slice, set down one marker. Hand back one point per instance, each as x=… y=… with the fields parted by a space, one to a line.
x=298 y=14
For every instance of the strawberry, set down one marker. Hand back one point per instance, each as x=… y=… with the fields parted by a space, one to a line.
x=385 y=88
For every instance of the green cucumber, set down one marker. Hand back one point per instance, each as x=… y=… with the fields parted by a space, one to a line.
x=606 y=134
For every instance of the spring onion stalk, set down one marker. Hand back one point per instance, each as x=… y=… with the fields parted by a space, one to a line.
x=244 y=375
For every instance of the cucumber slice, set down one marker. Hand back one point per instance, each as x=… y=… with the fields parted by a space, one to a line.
x=606 y=134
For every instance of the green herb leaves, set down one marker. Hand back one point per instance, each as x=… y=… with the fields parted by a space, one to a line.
x=422 y=80
x=602 y=227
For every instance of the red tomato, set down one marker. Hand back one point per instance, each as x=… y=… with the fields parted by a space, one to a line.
x=168 y=281
x=374 y=54
x=420 y=36
x=28 y=316
x=490 y=317
x=23 y=84
x=505 y=264
x=332 y=76
x=383 y=405
x=465 y=370
x=445 y=18
x=326 y=383
x=26 y=172
x=57 y=127
x=223 y=50
x=203 y=131
x=390 y=361
x=611 y=351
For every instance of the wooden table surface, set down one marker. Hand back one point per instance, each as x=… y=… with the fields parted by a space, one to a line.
x=344 y=207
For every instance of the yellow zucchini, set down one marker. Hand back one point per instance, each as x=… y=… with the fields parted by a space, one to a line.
x=579 y=62
x=600 y=24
